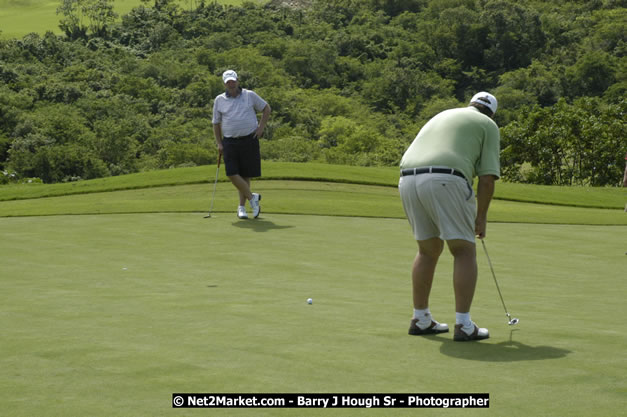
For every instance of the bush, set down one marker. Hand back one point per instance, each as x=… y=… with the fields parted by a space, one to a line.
x=290 y=149
x=186 y=154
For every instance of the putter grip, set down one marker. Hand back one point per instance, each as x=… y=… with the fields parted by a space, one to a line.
x=219 y=159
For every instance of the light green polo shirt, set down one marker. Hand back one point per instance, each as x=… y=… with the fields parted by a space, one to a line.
x=463 y=139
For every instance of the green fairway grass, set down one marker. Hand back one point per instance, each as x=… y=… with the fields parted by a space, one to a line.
x=21 y=17
x=292 y=188
x=289 y=197
x=594 y=197
x=111 y=314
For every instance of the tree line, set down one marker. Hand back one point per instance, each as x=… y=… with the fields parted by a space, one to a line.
x=349 y=82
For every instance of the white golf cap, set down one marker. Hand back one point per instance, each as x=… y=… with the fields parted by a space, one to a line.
x=229 y=75
x=486 y=99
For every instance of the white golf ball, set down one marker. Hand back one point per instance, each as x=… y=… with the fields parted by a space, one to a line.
x=309 y=301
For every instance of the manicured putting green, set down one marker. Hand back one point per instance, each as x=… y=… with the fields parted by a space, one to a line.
x=111 y=314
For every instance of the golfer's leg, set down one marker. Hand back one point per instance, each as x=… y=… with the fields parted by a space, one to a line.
x=464 y=273
x=423 y=270
x=243 y=187
x=246 y=195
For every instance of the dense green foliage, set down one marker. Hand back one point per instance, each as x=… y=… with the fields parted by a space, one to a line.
x=349 y=82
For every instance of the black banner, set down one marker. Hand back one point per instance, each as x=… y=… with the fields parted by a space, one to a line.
x=270 y=400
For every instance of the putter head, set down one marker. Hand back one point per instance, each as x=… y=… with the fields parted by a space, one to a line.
x=207 y=216
x=513 y=321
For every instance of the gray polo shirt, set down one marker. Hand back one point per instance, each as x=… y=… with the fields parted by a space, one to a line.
x=237 y=115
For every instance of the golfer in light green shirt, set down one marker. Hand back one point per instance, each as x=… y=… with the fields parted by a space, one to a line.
x=437 y=173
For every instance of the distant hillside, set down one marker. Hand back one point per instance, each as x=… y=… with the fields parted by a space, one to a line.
x=21 y=17
x=349 y=82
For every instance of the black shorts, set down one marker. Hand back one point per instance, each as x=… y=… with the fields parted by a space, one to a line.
x=241 y=156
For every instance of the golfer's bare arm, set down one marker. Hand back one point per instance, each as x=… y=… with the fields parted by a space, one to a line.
x=265 y=115
x=485 y=191
x=217 y=133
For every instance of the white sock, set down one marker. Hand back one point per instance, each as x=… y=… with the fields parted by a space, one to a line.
x=463 y=319
x=424 y=317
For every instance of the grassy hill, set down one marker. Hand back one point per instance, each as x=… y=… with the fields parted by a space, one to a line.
x=21 y=17
x=295 y=188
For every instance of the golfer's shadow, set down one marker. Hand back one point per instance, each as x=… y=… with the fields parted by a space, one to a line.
x=508 y=351
x=259 y=225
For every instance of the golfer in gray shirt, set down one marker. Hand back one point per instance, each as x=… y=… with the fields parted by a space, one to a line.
x=237 y=132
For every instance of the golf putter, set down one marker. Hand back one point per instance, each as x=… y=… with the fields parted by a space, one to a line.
x=511 y=321
x=215 y=183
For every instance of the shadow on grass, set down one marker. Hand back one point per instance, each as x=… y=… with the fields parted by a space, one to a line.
x=259 y=225
x=509 y=351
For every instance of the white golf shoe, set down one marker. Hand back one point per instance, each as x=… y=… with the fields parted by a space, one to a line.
x=254 y=204
x=241 y=212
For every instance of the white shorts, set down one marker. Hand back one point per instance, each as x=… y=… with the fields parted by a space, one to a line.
x=439 y=205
